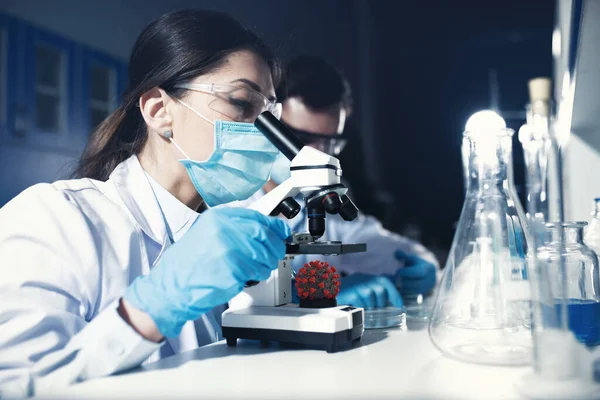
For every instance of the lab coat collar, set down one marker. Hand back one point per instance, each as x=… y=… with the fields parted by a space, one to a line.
x=178 y=217
x=134 y=189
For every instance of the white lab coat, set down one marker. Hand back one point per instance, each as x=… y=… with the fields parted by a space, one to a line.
x=68 y=251
x=381 y=243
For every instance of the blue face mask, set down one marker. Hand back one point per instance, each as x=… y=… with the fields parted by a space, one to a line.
x=281 y=169
x=239 y=165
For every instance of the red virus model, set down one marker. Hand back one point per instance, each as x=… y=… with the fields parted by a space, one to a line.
x=318 y=285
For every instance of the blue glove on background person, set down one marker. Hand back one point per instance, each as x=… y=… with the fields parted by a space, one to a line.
x=368 y=291
x=212 y=262
x=416 y=277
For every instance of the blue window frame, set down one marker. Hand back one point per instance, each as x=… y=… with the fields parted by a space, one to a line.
x=102 y=87
x=7 y=71
x=41 y=92
x=50 y=91
x=3 y=73
x=53 y=91
x=123 y=79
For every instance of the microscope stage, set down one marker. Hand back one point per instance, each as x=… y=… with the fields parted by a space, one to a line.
x=325 y=248
x=331 y=327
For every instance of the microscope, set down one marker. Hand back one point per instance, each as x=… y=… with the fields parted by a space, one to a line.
x=263 y=310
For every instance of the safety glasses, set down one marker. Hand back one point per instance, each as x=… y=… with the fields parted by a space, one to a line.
x=238 y=103
x=330 y=144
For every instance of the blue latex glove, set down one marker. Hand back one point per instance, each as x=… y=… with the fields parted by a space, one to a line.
x=416 y=277
x=208 y=266
x=368 y=291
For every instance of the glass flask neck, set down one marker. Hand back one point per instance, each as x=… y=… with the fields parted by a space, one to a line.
x=535 y=138
x=489 y=160
x=573 y=232
x=538 y=120
x=596 y=212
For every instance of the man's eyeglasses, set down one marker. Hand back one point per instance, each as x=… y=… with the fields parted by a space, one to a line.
x=330 y=144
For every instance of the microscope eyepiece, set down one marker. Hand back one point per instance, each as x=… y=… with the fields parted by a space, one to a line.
x=279 y=134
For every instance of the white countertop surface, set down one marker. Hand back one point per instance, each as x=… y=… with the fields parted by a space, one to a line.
x=388 y=363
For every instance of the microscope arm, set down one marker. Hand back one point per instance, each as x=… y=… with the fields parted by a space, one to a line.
x=270 y=201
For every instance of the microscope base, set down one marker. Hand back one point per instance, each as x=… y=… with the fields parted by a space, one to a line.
x=330 y=328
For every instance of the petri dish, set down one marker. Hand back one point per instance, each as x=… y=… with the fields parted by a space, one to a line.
x=418 y=312
x=387 y=317
x=420 y=309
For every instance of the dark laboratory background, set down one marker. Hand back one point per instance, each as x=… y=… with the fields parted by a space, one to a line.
x=418 y=70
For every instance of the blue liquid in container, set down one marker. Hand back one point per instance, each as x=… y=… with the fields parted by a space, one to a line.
x=584 y=320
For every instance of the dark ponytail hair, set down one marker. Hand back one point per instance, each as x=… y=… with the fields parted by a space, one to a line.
x=176 y=48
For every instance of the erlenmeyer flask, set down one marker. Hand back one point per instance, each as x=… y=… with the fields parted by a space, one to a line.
x=482 y=310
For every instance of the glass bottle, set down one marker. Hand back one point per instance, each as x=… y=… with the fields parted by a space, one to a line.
x=535 y=138
x=481 y=313
x=578 y=285
x=542 y=158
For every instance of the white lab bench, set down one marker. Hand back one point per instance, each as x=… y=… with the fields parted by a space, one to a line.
x=388 y=363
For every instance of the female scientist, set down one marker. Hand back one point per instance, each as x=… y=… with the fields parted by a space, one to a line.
x=101 y=273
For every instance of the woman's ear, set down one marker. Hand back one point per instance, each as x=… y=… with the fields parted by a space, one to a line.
x=153 y=106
